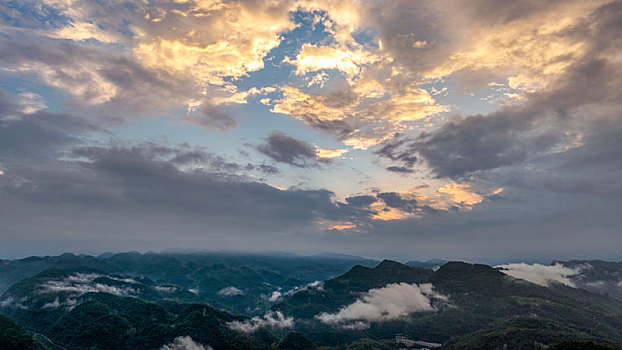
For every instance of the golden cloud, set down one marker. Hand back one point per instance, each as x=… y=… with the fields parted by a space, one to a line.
x=348 y=61
x=529 y=52
x=342 y=226
x=329 y=153
x=365 y=115
x=386 y=213
x=80 y=31
x=461 y=194
x=449 y=195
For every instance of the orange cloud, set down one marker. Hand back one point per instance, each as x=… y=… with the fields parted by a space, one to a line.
x=342 y=226
x=329 y=153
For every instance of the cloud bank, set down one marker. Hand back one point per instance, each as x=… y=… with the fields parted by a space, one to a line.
x=81 y=283
x=542 y=275
x=394 y=301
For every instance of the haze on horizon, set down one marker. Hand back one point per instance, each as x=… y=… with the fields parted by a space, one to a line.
x=481 y=130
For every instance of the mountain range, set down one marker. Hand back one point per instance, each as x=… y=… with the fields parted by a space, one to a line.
x=244 y=301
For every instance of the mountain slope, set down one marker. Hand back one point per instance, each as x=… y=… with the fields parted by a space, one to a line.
x=479 y=307
x=597 y=276
x=81 y=309
x=14 y=337
x=345 y=289
x=238 y=282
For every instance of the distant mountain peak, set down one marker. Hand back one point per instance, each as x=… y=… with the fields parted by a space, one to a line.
x=428 y=264
x=390 y=264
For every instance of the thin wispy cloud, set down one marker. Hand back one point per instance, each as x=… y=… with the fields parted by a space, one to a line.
x=272 y=319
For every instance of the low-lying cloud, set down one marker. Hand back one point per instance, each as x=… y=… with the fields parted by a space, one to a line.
x=230 y=292
x=270 y=319
x=185 y=343
x=10 y=302
x=82 y=283
x=278 y=295
x=542 y=275
x=394 y=301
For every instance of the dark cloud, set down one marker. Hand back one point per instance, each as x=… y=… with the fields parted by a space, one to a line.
x=395 y=200
x=400 y=169
x=392 y=150
x=510 y=136
x=517 y=133
x=361 y=201
x=181 y=155
x=268 y=169
x=286 y=149
x=147 y=176
x=481 y=143
x=40 y=134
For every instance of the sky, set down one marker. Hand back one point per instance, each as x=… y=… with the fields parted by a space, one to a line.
x=477 y=130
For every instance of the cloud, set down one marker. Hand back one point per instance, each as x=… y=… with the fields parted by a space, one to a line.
x=236 y=37
x=550 y=119
x=164 y=289
x=80 y=283
x=38 y=133
x=400 y=169
x=278 y=295
x=118 y=178
x=185 y=343
x=542 y=275
x=377 y=69
x=359 y=115
x=392 y=302
x=391 y=150
x=81 y=31
x=461 y=194
x=315 y=285
x=53 y=305
x=394 y=200
x=230 y=291
x=364 y=97
x=95 y=77
x=275 y=296
x=288 y=150
x=343 y=225
x=494 y=46
x=12 y=303
x=270 y=319
x=152 y=66
x=312 y=58
x=361 y=201
x=211 y=116
x=31 y=102
x=329 y=153
x=412 y=203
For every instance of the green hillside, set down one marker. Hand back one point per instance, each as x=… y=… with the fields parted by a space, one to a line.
x=255 y=276
x=459 y=305
x=14 y=337
x=485 y=310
